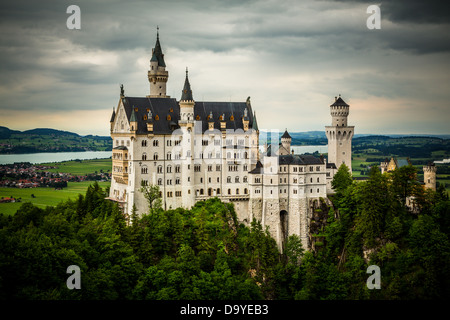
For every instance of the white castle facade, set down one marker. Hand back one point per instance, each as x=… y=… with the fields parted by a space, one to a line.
x=195 y=150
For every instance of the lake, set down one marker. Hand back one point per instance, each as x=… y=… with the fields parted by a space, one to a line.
x=46 y=157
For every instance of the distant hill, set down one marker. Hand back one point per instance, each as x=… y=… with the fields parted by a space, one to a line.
x=50 y=140
x=47 y=131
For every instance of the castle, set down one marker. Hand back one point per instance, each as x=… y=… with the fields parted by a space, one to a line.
x=194 y=150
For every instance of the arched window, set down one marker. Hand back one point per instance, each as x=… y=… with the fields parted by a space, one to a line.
x=237 y=191
x=155 y=156
x=245 y=191
x=169 y=169
x=236 y=179
x=155 y=143
x=229 y=191
x=218 y=191
x=144 y=143
x=144 y=156
x=160 y=169
x=159 y=182
x=228 y=179
x=201 y=191
x=144 y=169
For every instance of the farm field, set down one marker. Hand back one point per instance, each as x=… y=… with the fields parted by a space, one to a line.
x=44 y=196
x=81 y=167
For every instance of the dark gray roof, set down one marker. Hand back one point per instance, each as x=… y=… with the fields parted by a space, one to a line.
x=402 y=162
x=120 y=148
x=299 y=159
x=113 y=116
x=187 y=92
x=157 y=54
x=340 y=102
x=164 y=107
x=331 y=165
x=286 y=135
x=303 y=159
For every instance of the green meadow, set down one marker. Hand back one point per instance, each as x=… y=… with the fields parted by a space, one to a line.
x=51 y=197
x=43 y=196
x=81 y=167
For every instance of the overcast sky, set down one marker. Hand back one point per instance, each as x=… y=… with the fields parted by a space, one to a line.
x=291 y=57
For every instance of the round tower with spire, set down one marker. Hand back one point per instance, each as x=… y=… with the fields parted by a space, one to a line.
x=157 y=75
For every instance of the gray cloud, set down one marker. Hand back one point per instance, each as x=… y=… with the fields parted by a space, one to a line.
x=274 y=51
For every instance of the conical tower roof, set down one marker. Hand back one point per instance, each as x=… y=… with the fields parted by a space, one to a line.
x=157 y=52
x=187 y=92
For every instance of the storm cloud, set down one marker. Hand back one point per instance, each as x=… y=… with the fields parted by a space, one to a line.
x=291 y=57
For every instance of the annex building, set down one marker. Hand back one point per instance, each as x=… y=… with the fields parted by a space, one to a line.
x=194 y=150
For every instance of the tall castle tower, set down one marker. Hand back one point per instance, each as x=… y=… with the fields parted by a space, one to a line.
x=157 y=75
x=429 y=176
x=339 y=135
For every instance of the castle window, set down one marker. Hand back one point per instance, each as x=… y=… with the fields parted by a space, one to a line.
x=229 y=191
x=228 y=179
x=237 y=191
x=232 y=118
x=144 y=170
x=177 y=168
x=144 y=143
x=171 y=110
x=236 y=179
x=209 y=167
x=145 y=117
x=169 y=169
x=245 y=179
x=159 y=182
x=144 y=156
x=169 y=117
x=317 y=190
x=201 y=191
x=169 y=181
x=197 y=117
x=155 y=143
x=177 y=181
x=155 y=156
x=135 y=109
x=217 y=167
x=160 y=169
x=318 y=180
x=156 y=117
x=169 y=156
x=178 y=193
x=218 y=191
x=317 y=168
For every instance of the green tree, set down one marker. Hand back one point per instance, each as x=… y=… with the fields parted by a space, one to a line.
x=152 y=194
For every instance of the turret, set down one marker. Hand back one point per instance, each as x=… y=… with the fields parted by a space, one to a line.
x=186 y=104
x=339 y=111
x=429 y=176
x=286 y=141
x=157 y=75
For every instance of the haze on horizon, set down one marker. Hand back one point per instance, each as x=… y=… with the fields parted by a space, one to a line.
x=292 y=58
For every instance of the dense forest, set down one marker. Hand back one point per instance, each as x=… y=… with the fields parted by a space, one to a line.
x=205 y=253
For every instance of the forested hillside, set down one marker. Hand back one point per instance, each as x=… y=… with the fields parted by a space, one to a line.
x=49 y=140
x=204 y=253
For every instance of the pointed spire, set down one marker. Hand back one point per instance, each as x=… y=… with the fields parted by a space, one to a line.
x=187 y=92
x=157 y=51
x=254 y=124
x=133 y=116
